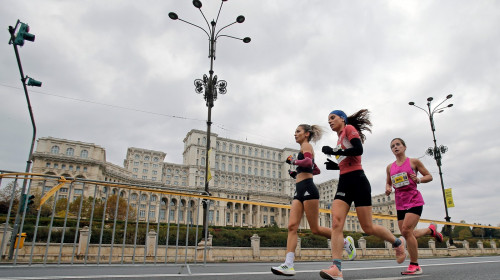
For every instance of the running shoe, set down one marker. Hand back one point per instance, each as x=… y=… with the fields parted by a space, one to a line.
x=400 y=251
x=434 y=233
x=350 y=248
x=412 y=270
x=283 y=270
x=332 y=273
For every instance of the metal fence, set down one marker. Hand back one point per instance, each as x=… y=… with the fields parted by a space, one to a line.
x=74 y=220
x=80 y=221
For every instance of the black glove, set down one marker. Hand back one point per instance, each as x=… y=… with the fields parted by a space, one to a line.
x=292 y=174
x=331 y=165
x=327 y=150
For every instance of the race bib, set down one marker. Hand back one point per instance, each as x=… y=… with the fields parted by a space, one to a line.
x=400 y=180
x=339 y=158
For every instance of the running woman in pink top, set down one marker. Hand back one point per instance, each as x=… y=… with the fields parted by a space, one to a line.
x=402 y=175
x=353 y=187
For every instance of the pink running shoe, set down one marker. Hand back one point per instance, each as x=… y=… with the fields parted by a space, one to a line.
x=434 y=233
x=332 y=273
x=412 y=270
x=400 y=251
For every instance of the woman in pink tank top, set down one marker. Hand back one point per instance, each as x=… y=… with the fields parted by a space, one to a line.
x=402 y=176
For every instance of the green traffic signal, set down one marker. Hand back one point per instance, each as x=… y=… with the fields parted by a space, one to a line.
x=23 y=34
x=34 y=83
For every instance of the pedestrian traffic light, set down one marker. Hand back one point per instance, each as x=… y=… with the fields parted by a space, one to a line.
x=34 y=83
x=23 y=34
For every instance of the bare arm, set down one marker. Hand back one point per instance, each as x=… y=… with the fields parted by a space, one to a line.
x=388 y=183
x=419 y=167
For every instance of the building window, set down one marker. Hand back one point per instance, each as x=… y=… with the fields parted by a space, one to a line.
x=156 y=159
x=47 y=164
x=54 y=150
x=137 y=157
x=84 y=154
x=146 y=158
x=228 y=218
x=70 y=151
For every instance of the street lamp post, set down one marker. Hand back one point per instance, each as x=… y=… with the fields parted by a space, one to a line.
x=210 y=85
x=437 y=151
x=18 y=40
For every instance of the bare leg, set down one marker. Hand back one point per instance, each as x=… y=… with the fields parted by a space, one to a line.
x=421 y=232
x=365 y=219
x=339 y=213
x=311 y=207
x=293 y=224
x=407 y=226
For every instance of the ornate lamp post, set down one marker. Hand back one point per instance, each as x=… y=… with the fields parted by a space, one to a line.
x=437 y=151
x=210 y=85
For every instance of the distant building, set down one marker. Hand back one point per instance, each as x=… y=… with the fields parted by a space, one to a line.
x=240 y=170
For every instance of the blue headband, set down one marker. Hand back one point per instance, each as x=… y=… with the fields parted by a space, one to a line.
x=340 y=114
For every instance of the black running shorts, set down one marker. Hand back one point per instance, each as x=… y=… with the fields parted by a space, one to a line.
x=354 y=187
x=417 y=210
x=306 y=190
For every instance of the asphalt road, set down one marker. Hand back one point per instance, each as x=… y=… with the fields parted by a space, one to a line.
x=441 y=268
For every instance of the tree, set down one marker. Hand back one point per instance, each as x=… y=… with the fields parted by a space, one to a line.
x=6 y=194
x=122 y=208
x=478 y=232
x=458 y=229
x=86 y=210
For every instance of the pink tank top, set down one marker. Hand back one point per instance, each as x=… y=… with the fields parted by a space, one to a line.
x=406 y=193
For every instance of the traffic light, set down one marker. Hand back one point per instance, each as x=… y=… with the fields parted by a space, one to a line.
x=26 y=201
x=23 y=34
x=31 y=201
x=34 y=83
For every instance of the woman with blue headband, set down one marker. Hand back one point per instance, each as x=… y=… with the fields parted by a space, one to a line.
x=353 y=186
x=306 y=198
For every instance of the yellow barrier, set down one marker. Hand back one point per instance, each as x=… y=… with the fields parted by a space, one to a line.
x=61 y=181
x=20 y=243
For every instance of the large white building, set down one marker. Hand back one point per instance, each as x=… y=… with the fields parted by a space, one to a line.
x=240 y=171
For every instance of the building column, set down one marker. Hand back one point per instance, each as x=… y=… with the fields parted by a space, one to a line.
x=279 y=216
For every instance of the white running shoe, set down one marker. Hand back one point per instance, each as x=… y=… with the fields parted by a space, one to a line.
x=283 y=270
x=350 y=248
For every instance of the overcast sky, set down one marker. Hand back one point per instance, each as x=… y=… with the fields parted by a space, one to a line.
x=119 y=73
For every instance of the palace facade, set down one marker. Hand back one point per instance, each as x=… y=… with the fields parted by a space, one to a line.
x=240 y=171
